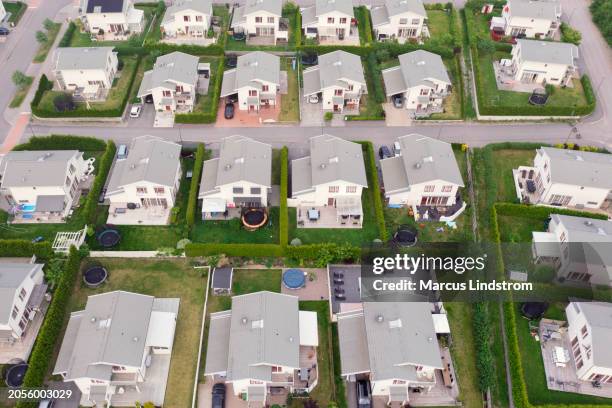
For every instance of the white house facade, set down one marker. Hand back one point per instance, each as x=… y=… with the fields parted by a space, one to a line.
x=2 y=12
x=328 y=19
x=116 y=18
x=240 y=177
x=544 y=62
x=262 y=19
x=400 y=20
x=256 y=81
x=187 y=18
x=86 y=71
x=529 y=19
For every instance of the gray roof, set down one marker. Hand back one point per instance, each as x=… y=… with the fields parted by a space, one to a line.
x=329 y=6
x=333 y=70
x=416 y=68
x=149 y=159
x=395 y=7
x=35 y=168
x=309 y=15
x=331 y=159
x=12 y=275
x=170 y=69
x=379 y=16
x=264 y=332
x=254 y=6
x=588 y=169
x=424 y=159
x=202 y=6
x=251 y=70
x=544 y=9
x=549 y=52
x=599 y=316
x=398 y=337
x=112 y=330
x=50 y=203
x=240 y=159
x=217 y=348
x=222 y=278
x=581 y=229
x=81 y=58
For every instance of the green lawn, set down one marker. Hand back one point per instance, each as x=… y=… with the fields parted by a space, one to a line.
x=438 y=24
x=205 y=103
x=362 y=15
x=506 y=160
x=16 y=8
x=290 y=104
x=452 y=103
x=162 y=278
x=44 y=48
x=232 y=231
x=21 y=93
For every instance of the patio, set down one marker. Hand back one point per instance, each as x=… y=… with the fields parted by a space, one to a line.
x=21 y=348
x=561 y=376
x=504 y=77
x=139 y=216
x=315 y=289
x=190 y=40
x=351 y=39
x=244 y=118
x=344 y=215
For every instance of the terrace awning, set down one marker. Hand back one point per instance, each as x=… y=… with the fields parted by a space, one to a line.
x=348 y=205
x=213 y=205
x=545 y=244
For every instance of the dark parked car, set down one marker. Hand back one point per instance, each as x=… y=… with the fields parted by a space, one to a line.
x=339 y=290
x=148 y=98
x=364 y=397
x=338 y=275
x=229 y=111
x=310 y=59
x=384 y=152
x=232 y=98
x=398 y=101
x=239 y=36
x=4 y=31
x=340 y=296
x=218 y=395
x=101 y=197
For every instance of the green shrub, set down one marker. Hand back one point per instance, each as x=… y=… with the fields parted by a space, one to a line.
x=328 y=116
x=570 y=35
x=323 y=254
x=67 y=38
x=104 y=165
x=63 y=142
x=539 y=212
x=192 y=201
x=284 y=185
x=601 y=10
x=372 y=174
x=484 y=358
x=20 y=248
x=211 y=115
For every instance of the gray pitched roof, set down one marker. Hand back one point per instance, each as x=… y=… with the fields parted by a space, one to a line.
x=251 y=70
x=398 y=337
x=271 y=6
x=170 y=69
x=588 y=169
x=217 y=348
x=150 y=159
x=395 y=7
x=424 y=159
x=581 y=229
x=112 y=330
x=379 y=16
x=240 y=159
x=544 y=9
x=81 y=58
x=599 y=316
x=12 y=275
x=331 y=159
x=329 y=6
x=549 y=52
x=264 y=332
x=35 y=168
x=416 y=68
x=333 y=70
x=202 y=6
x=309 y=15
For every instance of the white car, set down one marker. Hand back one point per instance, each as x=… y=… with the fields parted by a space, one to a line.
x=135 y=111
x=313 y=99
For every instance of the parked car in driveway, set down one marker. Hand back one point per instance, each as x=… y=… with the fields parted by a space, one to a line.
x=4 y=31
x=135 y=111
x=398 y=101
x=364 y=397
x=218 y=395
x=232 y=98
x=384 y=152
x=229 y=111
x=148 y=99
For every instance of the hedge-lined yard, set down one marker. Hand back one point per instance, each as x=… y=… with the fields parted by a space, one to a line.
x=205 y=109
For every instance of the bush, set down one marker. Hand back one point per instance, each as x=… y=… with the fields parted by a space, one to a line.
x=372 y=174
x=43 y=85
x=64 y=102
x=62 y=142
x=21 y=80
x=20 y=248
x=192 y=200
x=539 y=212
x=570 y=35
x=601 y=10
x=104 y=165
x=484 y=358
x=284 y=185
x=296 y=242
x=324 y=254
x=328 y=116
x=41 y=37
x=67 y=38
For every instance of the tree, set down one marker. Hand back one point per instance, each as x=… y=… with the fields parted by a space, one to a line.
x=485 y=46
x=20 y=79
x=601 y=10
x=48 y=24
x=54 y=270
x=568 y=34
x=63 y=102
x=41 y=37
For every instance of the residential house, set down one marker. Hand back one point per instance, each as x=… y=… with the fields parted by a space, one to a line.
x=43 y=186
x=111 y=19
x=338 y=80
x=187 y=18
x=394 y=345
x=263 y=344
x=22 y=307
x=87 y=72
x=529 y=19
x=117 y=350
x=172 y=83
x=142 y=187
x=421 y=81
x=400 y=20
x=542 y=62
x=590 y=330
x=577 y=247
x=333 y=176
x=240 y=177
x=256 y=81
x=2 y=12
x=261 y=21
x=328 y=19
x=425 y=176
x=566 y=178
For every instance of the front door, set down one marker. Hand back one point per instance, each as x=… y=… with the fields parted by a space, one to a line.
x=331 y=201
x=168 y=108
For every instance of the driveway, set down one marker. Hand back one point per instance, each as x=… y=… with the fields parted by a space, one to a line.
x=311 y=113
x=146 y=119
x=395 y=116
x=243 y=118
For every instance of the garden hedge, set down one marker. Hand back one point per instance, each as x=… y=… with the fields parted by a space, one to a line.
x=242 y=250
x=362 y=14
x=21 y=248
x=63 y=142
x=284 y=180
x=43 y=352
x=67 y=38
x=192 y=201
x=104 y=166
x=539 y=212
x=211 y=115
x=372 y=175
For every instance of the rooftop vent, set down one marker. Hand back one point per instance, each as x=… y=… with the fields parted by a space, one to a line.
x=322 y=166
x=395 y=324
x=239 y=160
x=93 y=319
x=227 y=166
x=257 y=324
x=428 y=159
x=420 y=63
x=244 y=320
x=135 y=339
x=45 y=156
x=417 y=165
x=334 y=159
x=380 y=318
x=588 y=223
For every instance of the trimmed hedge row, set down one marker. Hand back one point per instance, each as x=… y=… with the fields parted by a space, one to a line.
x=21 y=248
x=44 y=85
x=372 y=175
x=539 y=212
x=192 y=201
x=284 y=186
x=211 y=115
x=484 y=358
x=104 y=166
x=42 y=354
x=65 y=41
x=362 y=14
x=62 y=142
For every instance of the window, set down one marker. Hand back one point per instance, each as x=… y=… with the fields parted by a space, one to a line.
x=166 y=93
x=141 y=190
x=403 y=21
x=179 y=88
x=159 y=190
x=186 y=18
x=425 y=91
x=334 y=189
x=252 y=92
x=255 y=190
x=350 y=87
x=584 y=331
x=579 y=364
x=271 y=20
x=430 y=189
x=277 y=369
x=15 y=312
x=238 y=190
x=67 y=181
x=447 y=189
x=574 y=341
x=342 y=20
x=338 y=92
x=330 y=20
x=199 y=19
x=259 y=19
x=22 y=294
x=415 y=21
x=265 y=88
x=351 y=189
x=71 y=169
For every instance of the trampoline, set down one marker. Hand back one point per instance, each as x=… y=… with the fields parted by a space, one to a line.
x=294 y=279
x=538 y=97
x=15 y=374
x=95 y=276
x=109 y=238
x=533 y=310
x=405 y=236
x=254 y=218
